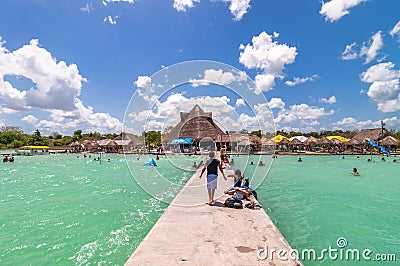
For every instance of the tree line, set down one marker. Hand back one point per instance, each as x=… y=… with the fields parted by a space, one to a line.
x=13 y=137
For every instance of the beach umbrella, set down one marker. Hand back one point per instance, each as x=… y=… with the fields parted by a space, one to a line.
x=340 y=138
x=94 y=144
x=296 y=142
x=267 y=142
x=301 y=138
x=284 y=141
x=323 y=141
x=72 y=144
x=336 y=141
x=279 y=138
x=112 y=144
x=311 y=140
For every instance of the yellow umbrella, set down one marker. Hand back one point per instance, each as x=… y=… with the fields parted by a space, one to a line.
x=342 y=139
x=278 y=138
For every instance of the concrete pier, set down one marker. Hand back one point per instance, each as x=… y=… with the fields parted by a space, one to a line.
x=211 y=235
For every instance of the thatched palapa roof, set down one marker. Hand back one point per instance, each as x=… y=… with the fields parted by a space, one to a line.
x=267 y=142
x=390 y=141
x=295 y=141
x=374 y=134
x=354 y=141
x=336 y=141
x=323 y=141
x=128 y=139
x=311 y=140
x=197 y=125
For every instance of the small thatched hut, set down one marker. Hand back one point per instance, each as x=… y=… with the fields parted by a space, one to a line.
x=391 y=142
x=336 y=141
x=323 y=141
x=311 y=140
x=128 y=142
x=196 y=125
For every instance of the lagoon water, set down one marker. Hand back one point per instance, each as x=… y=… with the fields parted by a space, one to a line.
x=59 y=209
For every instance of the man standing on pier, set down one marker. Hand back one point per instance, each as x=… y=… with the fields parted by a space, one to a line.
x=212 y=166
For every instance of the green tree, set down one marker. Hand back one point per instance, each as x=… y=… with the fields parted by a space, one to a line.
x=153 y=138
x=58 y=142
x=55 y=135
x=12 y=137
x=77 y=135
x=67 y=140
x=281 y=132
x=257 y=133
x=37 y=139
x=111 y=136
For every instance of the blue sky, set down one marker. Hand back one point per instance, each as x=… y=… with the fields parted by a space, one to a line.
x=67 y=65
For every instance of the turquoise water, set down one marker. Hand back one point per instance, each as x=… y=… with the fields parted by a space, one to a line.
x=75 y=211
x=317 y=201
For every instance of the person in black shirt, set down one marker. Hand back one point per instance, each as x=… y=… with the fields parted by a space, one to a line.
x=212 y=166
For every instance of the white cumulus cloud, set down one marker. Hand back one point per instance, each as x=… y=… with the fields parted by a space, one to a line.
x=335 y=9
x=349 y=52
x=370 y=50
x=395 y=32
x=30 y=119
x=55 y=91
x=218 y=77
x=266 y=54
x=351 y=123
x=240 y=102
x=239 y=8
x=385 y=86
x=183 y=5
x=297 y=81
x=87 y=8
x=276 y=103
x=106 y=2
x=301 y=113
x=110 y=20
x=331 y=100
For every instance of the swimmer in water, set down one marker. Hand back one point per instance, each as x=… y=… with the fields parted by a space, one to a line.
x=355 y=172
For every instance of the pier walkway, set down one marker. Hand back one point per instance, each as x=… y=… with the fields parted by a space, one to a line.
x=211 y=235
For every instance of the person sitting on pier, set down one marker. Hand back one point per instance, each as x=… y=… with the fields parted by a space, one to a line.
x=245 y=194
x=237 y=178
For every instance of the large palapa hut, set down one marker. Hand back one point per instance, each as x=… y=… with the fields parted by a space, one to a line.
x=375 y=134
x=197 y=126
